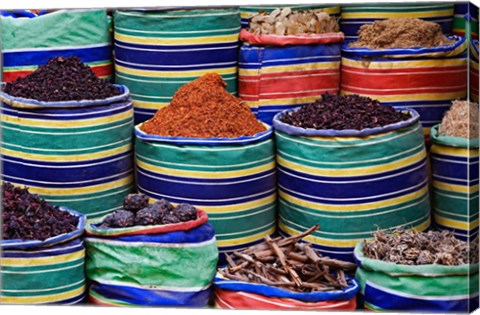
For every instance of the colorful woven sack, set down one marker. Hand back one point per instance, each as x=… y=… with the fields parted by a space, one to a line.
x=156 y=52
x=474 y=71
x=28 y=42
x=231 y=294
x=455 y=184
x=465 y=20
x=391 y=287
x=424 y=79
x=77 y=153
x=282 y=72
x=354 y=16
x=351 y=182
x=247 y=11
x=156 y=265
x=44 y=272
x=232 y=179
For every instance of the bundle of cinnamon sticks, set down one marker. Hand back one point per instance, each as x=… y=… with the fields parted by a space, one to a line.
x=288 y=263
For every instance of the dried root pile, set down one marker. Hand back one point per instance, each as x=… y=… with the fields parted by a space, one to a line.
x=288 y=22
x=461 y=120
x=289 y=264
x=421 y=248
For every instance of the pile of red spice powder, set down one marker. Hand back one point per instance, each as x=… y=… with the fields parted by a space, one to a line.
x=204 y=109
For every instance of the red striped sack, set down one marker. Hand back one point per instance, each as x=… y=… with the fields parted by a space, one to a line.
x=425 y=79
x=281 y=72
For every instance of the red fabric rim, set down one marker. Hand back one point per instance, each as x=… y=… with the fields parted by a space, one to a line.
x=300 y=39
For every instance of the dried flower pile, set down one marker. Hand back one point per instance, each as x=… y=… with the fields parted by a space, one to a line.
x=289 y=264
x=26 y=216
x=420 y=248
x=204 y=109
x=461 y=120
x=288 y=22
x=343 y=112
x=62 y=79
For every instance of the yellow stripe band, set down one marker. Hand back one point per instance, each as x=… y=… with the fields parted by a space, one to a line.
x=461 y=225
x=177 y=41
x=174 y=74
x=455 y=188
x=43 y=299
x=200 y=174
x=388 y=15
x=42 y=261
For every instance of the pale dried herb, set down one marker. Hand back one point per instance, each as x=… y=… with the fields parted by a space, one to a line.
x=419 y=248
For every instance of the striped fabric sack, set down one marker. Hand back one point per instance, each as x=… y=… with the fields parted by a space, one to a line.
x=465 y=20
x=230 y=294
x=30 y=42
x=282 y=72
x=354 y=16
x=156 y=265
x=156 y=52
x=424 y=79
x=351 y=183
x=454 y=164
x=233 y=180
x=247 y=11
x=474 y=71
x=386 y=286
x=78 y=153
x=44 y=272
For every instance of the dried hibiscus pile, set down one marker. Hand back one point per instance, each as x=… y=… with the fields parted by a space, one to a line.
x=62 y=79
x=289 y=264
x=204 y=109
x=26 y=216
x=343 y=112
x=138 y=211
x=421 y=248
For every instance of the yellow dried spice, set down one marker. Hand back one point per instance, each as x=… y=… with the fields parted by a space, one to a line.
x=461 y=120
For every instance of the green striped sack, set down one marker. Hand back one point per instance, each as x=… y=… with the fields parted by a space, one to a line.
x=232 y=179
x=387 y=286
x=44 y=272
x=354 y=16
x=155 y=265
x=351 y=182
x=157 y=52
x=247 y=11
x=77 y=154
x=465 y=20
x=30 y=42
x=454 y=164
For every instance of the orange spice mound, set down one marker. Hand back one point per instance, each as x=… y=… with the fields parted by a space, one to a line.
x=204 y=109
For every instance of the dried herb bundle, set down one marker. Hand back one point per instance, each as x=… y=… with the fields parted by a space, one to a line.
x=420 y=248
x=461 y=120
x=401 y=32
x=287 y=22
x=289 y=264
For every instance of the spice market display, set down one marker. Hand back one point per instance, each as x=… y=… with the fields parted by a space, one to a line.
x=293 y=157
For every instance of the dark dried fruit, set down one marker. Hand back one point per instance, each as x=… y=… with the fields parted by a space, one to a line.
x=185 y=212
x=135 y=202
x=120 y=219
x=26 y=216
x=62 y=79
x=343 y=112
x=148 y=216
x=170 y=219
